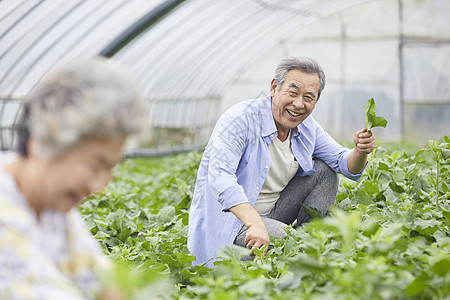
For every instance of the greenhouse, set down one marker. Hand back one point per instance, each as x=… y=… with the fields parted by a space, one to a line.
x=195 y=59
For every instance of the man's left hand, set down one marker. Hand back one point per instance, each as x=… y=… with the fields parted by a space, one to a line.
x=364 y=141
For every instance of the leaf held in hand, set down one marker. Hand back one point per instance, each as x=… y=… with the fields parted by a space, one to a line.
x=371 y=118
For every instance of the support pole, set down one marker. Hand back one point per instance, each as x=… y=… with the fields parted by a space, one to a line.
x=144 y=23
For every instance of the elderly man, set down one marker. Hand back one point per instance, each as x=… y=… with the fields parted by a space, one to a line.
x=265 y=158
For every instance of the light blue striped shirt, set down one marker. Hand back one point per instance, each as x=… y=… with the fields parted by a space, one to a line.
x=234 y=167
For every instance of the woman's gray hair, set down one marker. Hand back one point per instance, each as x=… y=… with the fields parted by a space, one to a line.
x=80 y=100
x=305 y=64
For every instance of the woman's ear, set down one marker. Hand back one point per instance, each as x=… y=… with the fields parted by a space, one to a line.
x=31 y=147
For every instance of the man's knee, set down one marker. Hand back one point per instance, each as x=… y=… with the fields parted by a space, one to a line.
x=275 y=227
x=323 y=170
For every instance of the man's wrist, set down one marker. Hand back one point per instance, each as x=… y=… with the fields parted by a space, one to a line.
x=254 y=220
x=360 y=155
x=247 y=214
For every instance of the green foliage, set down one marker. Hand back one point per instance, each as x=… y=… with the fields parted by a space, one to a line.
x=371 y=118
x=388 y=236
x=141 y=217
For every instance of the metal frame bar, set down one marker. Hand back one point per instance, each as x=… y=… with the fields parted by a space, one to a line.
x=155 y=152
x=20 y=19
x=56 y=41
x=147 y=21
x=31 y=46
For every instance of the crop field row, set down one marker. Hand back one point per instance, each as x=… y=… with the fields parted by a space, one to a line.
x=388 y=236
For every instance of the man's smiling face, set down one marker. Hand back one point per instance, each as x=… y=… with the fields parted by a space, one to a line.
x=294 y=101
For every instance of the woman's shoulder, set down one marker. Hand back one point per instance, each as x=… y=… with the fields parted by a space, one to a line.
x=6 y=183
x=14 y=216
x=7 y=157
x=13 y=212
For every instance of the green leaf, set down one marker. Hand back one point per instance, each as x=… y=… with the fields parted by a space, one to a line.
x=370 y=188
x=442 y=267
x=417 y=286
x=442 y=240
x=420 y=184
x=445 y=187
x=166 y=215
x=371 y=118
x=445 y=153
x=312 y=211
x=426 y=223
x=254 y=287
x=232 y=251
x=361 y=197
x=122 y=236
x=383 y=166
x=427 y=227
x=260 y=251
x=302 y=263
x=289 y=281
x=446 y=215
x=344 y=204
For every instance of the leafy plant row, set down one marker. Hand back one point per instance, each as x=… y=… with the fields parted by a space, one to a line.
x=388 y=236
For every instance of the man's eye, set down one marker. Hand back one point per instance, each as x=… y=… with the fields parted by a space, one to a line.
x=292 y=93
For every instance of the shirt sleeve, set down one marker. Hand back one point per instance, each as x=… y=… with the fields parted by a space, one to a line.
x=26 y=272
x=226 y=147
x=333 y=154
x=88 y=262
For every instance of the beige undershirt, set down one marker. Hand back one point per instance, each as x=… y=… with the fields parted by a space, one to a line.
x=282 y=170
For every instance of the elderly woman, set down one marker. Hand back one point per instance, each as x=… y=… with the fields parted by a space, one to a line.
x=70 y=134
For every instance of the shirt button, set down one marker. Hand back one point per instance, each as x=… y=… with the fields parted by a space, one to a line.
x=236 y=229
x=257 y=188
x=267 y=167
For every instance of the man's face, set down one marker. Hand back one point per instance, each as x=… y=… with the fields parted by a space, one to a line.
x=295 y=100
x=82 y=170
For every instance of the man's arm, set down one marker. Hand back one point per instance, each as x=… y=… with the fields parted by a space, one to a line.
x=364 y=145
x=228 y=143
x=257 y=234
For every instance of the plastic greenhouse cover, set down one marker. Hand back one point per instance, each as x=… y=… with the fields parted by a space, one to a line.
x=196 y=50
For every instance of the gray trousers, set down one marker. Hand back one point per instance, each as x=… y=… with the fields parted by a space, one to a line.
x=318 y=190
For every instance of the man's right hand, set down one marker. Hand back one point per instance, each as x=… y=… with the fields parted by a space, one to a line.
x=257 y=234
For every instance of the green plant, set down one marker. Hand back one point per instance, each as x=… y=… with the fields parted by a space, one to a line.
x=371 y=118
x=388 y=236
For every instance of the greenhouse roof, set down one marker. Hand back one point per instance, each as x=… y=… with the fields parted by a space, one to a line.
x=192 y=48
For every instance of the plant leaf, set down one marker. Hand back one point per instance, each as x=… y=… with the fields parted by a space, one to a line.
x=231 y=251
x=371 y=118
x=442 y=267
x=312 y=211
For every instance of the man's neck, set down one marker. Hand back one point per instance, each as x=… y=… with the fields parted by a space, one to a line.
x=283 y=135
